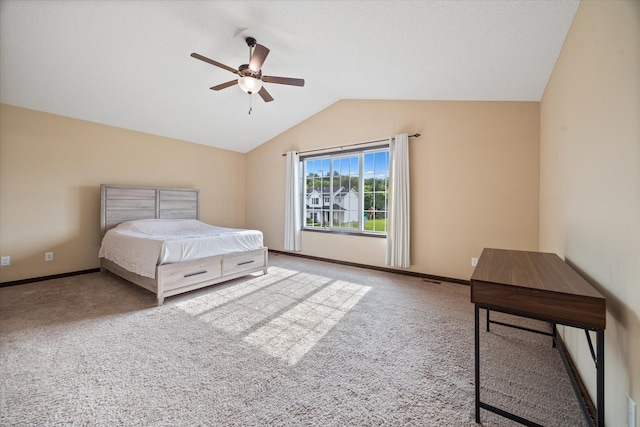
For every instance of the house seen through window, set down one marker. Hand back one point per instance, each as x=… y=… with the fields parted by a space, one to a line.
x=347 y=192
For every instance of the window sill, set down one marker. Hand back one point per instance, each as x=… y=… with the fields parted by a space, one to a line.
x=349 y=233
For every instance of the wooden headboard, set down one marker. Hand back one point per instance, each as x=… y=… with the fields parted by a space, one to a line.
x=119 y=203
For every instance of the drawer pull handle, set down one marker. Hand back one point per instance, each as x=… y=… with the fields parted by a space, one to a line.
x=246 y=262
x=195 y=274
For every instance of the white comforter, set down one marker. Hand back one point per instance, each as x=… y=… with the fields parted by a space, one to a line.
x=139 y=246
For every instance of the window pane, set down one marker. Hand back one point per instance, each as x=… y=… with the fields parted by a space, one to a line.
x=344 y=182
x=381 y=222
x=317 y=171
x=340 y=195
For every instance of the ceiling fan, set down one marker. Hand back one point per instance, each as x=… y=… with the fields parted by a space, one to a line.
x=250 y=75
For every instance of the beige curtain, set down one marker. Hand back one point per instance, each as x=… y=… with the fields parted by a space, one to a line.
x=292 y=213
x=398 y=233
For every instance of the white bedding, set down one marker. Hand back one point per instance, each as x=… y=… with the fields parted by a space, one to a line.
x=139 y=246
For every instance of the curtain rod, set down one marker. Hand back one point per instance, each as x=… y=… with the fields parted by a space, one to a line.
x=415 y=135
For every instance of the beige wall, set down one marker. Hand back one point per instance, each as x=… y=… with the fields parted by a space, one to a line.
x=51 y=168
x=590 y=182
x=474 y=179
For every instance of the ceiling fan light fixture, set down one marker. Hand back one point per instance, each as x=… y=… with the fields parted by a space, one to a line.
x=250 y=78
x=249 y=84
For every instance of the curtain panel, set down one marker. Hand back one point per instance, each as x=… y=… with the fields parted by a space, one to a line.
x=292 y=212
x=398 y=222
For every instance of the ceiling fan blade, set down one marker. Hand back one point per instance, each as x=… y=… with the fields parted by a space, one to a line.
x=283 y=80
x=265 y=95
x=257 y=58
x=212 y=62
x=224 y=85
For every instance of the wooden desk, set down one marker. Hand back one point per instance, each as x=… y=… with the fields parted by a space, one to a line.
x=538 y=286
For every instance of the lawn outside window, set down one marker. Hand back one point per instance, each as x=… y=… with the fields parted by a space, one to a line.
x=347 y=193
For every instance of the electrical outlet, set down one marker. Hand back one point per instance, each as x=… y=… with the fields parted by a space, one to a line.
x=5 y=260
x=48 y=256
x=631 y=412
x=474 y=262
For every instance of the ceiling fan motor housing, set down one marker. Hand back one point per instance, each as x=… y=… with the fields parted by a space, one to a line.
x=245 y=71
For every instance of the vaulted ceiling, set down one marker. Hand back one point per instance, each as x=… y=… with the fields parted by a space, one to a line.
x=128 y=63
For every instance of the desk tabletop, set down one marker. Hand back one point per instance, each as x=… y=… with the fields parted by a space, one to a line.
x=536 y=284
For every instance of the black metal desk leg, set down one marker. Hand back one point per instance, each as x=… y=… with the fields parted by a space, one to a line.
x=477 y=367
x=600 y=376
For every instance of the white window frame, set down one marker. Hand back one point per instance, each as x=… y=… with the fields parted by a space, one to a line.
x=361 y=186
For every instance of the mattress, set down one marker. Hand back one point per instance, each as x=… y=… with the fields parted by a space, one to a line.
x=139 y=246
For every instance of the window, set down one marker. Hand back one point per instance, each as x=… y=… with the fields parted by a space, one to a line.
x=353 y=188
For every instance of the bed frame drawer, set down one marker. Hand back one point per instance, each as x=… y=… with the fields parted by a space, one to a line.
x=184 y=274
x=243 y=262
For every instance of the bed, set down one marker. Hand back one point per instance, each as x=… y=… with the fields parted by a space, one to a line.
x=138 y=221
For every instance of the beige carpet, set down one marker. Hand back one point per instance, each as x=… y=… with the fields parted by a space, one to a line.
x=309 y=344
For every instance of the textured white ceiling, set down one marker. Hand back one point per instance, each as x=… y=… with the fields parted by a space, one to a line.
x=128 y=64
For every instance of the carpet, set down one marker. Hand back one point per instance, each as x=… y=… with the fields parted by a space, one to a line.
x=309 y=344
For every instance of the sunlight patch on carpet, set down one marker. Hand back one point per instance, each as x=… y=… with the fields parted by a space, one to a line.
x=264 y=303
x=224 y=295
x=291 y=335
x=284 y=313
